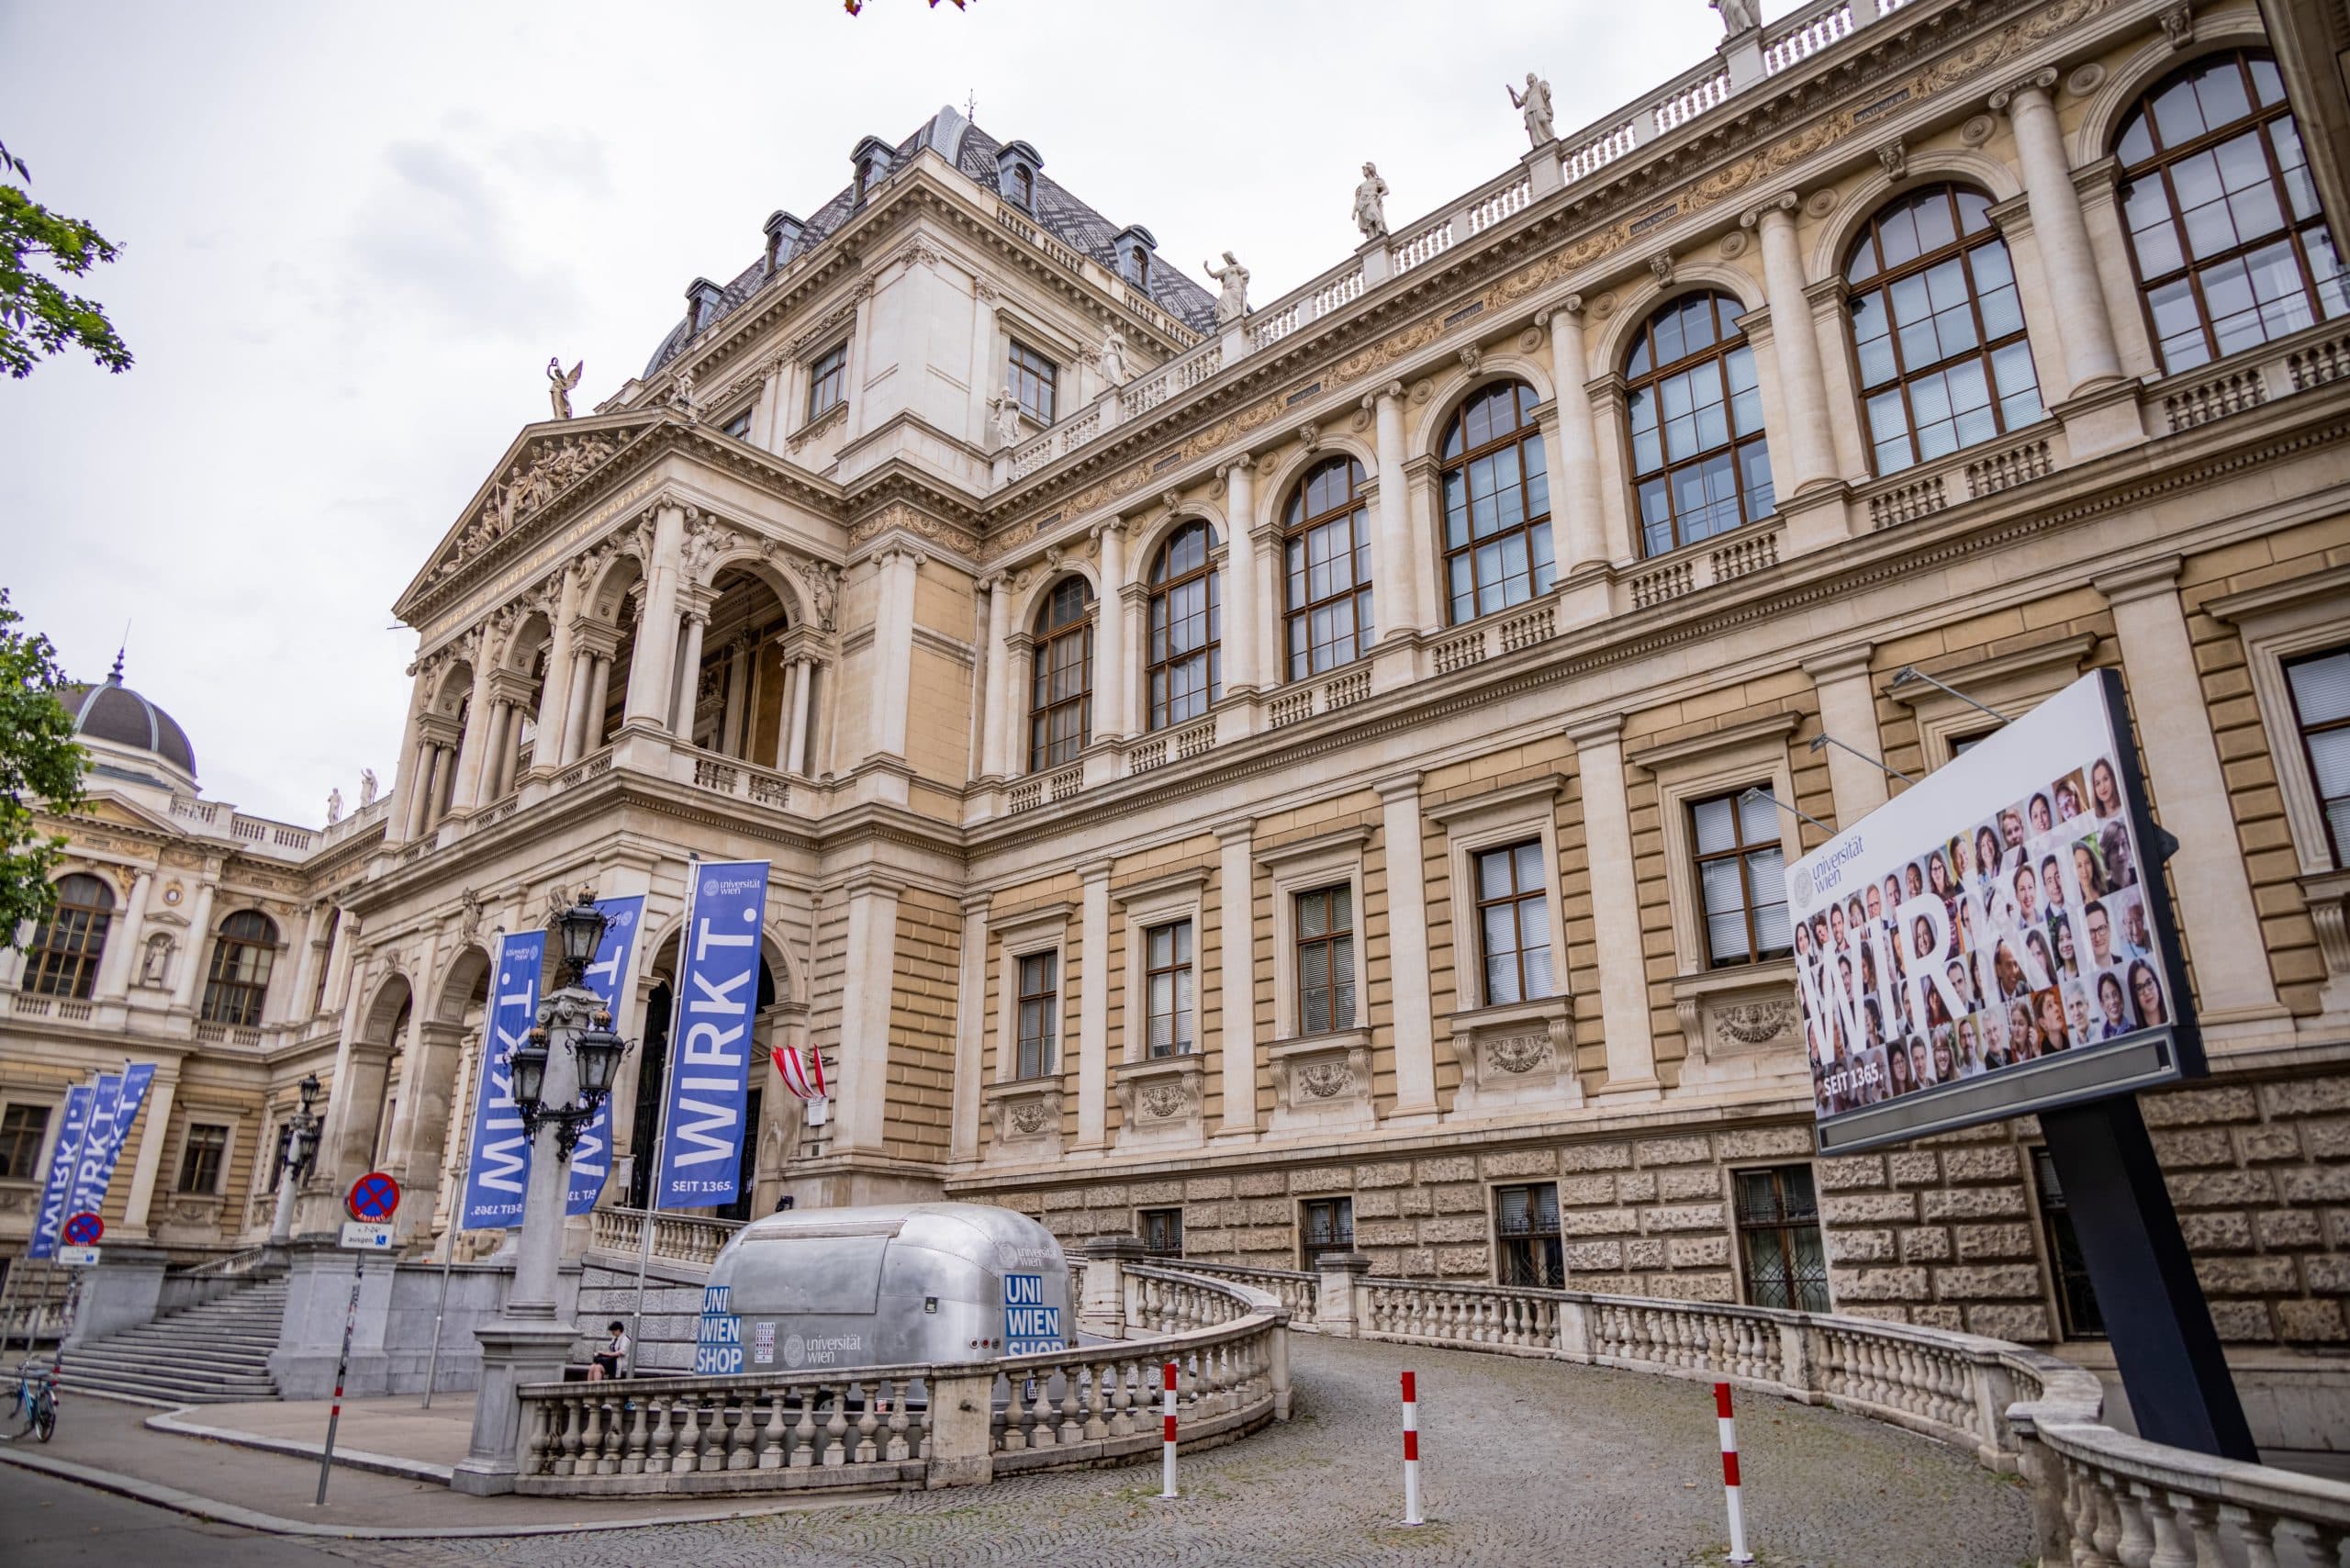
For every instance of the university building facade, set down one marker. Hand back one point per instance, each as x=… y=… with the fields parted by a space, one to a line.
x=1280 y=781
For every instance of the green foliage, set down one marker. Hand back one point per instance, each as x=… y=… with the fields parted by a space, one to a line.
x=40 y=761
x=38 y=316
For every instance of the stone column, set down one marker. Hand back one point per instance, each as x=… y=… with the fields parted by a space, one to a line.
x=1848 y=713
x=1020 y=655
x=121 y=953
x=2215 y=905
x=575 y=704
x=1240 y=613
x=1112 y=681
x=1407 y=948
x=294 y=1000
x=1582 y=542
x=437 y=784
x=2084 y=325
x=986 y=375
x=995 y=735
x=1615 y=894
x=1394 y=586
x=893 y=639
x=338 y=962
x=1237 y=893
x=734 y=713
x=1093 y=1013
x=421 y=1142
x=854 y=372
x=865 y=986
x=656 y=632
x=554 y=691
x=688 y=683
x=406 y=781
x=155 y=1125
x=970 y=1028
x=803 y=710
x=788 y=728
x=473 y=746
x=767 y=424
x=199 y=941
x=1803 y=383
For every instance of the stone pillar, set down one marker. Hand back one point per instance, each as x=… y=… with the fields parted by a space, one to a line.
x=1102 y=1311
x=854 y=372
x=575 y=706
x=1848 y=713
x=1334 y=1302
x=199 y=942
x=987 y=374
x=338 y=962
x=1582 y=542
x=736 y=709
x=1803 y=383
x=554 y=691
x=767 y=424
x=2083 y=324
x=421 y=1140
x=121 y=952
x=1241 y=617
x=1093 y=1013
x=122 y=1292
x=1614 y=892
x=437 y=785
x=406 y=782
x=788 y=728
x=294 y=1000
x=803 y=710
x=870 y=969
x=995 y=731
x=1407 y=948
x=893 y=639
x=2215 y=905
x=1020 y=653
x=473 y=746
x=1395 y=585
x=1236 y=893
x=687 y=682
x=155 y=1127
x=1113 y=682
x=656 y=632
x=970 y=1028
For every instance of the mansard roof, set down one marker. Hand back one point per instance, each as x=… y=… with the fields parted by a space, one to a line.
x=973 y=153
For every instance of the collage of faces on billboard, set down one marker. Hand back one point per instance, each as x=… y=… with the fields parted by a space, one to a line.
x=2020 y=935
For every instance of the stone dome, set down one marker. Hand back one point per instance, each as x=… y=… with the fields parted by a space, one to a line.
x=112 y=711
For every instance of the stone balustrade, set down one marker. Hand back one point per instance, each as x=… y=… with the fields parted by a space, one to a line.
x=676 y=1238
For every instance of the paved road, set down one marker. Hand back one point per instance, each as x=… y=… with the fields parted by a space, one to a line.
x=1526 y=1463
x=49 y=1521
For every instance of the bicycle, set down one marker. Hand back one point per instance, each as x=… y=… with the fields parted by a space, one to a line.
x=36 y=1402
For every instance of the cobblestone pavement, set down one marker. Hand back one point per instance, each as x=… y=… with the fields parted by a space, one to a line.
x=1524 y=1462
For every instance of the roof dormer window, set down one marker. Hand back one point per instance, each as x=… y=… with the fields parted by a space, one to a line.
x=1016 y=167
x=1136 y=247
x=870 y=159
x=1024 y=188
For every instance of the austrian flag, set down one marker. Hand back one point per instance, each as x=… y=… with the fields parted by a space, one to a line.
x=803 y=1072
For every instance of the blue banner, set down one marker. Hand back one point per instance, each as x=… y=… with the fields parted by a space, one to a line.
x=591 y=1161
x=718 y=994
x=497 y=1160
x=71 y=1123
x=111 y=1119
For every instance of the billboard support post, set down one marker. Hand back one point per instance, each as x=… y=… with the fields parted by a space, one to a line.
x=2163 y=1341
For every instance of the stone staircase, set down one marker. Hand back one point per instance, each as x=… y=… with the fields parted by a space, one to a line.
x=212 y=1354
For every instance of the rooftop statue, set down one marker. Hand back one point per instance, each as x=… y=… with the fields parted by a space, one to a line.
x=559 y=385
x=335 y=805
x=1005 y=406
x=1233 y=303
x=1536 y=102
x=1111 y=357
x=682 y=394
x=1371 y=203
x=366 y=788
x=1738 y=15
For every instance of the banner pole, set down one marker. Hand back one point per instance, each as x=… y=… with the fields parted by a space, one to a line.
x=441 y=1307
x=661 y=1124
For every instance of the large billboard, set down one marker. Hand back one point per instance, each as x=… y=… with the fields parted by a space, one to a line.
x=1995 y=940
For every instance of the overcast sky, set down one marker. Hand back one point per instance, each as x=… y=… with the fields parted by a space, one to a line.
x=351 y=236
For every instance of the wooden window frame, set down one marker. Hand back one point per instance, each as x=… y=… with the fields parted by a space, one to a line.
x=1341 y=1210
x=2302 y=731
x=1526 y=435
x=1049 y=1007
x=2160 y=163
x=1788 y=1219
x=1045 y=752
x=240 y=1002
x=1740 y=851
x=1184 y=1030
x=1729 y=339
x=1964 y=249
x=1507 y=1241
x=1034 y=380
x=1161 y=661
x=13 y=1146
x=1299 y=531
x=68 y=948
x=828 y=381
x=1154 y=1246
x=1514 y=901
x=739 y=426
x=190 y=1149
x=1330 y=941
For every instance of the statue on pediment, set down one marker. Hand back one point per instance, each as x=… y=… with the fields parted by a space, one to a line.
x=1233 y=303
x=1738 y=15
x=335 y=805
x=1371 y=204
x=1536 y=102
x=367 y=788
x=1111 y=358
x=560 y=385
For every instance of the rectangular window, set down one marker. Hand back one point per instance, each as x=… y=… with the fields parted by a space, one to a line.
x=200 y=1161
x=1326 y=1225
x=1741 y=878
x=1960 y=744
x=2075 y=1301
x=1167 y=981
x=2321 y=687
x=1325 y=960
x=1040 y=1013
x=739 y=426
x=1514 y=924
x=1526 y=1220
x=1778 y=1238
x=1035 y=382
x=828 y=381
x=22 y=1127
x=1162 y=1232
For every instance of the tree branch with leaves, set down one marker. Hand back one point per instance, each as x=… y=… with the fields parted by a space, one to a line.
x=41 y=770
x=38 y=317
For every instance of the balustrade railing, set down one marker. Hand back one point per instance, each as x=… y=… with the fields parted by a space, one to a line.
x=679 y=1238
x=1295 y=1290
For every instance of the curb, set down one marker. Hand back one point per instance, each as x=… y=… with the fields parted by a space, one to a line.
x=162 y=1496
x=171 y=1422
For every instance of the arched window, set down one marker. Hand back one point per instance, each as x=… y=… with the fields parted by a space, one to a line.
x=1496 y=503
x=1186 y=628
x=1023 y=187
x=241 y=956
x=64 y=957
x=1700 y=465
x=1060 y=691
x=1326 y=568
x=1939 y=332
x=2225 y=232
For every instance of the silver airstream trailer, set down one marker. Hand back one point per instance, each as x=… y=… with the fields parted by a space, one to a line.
x=821 y=1290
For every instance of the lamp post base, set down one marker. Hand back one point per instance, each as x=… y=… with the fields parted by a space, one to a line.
x=514 y=1351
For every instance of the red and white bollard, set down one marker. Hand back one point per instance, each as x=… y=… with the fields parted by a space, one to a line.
x=1411 y=1452
x=1167 y=1461
x=1738 y=1552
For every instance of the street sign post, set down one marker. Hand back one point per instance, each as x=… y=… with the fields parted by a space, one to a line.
x=373 y=1200
x=78 y=1257
x=363 y=1236
x=374 y=1196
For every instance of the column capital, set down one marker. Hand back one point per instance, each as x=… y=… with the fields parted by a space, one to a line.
x=2023 y=92
x=1840 y=662
x=1113 y=527
x=2148 y=579
x=1605 y=731
x=913 y=557
x=1239 y=831
x=980 y=904
x=1243 y=461
x=1780 y=207
x=1404 y=786
x=873 y=883
x=1570 y=305
x=1096 y=870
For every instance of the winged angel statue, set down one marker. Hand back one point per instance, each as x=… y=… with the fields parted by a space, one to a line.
x=560 y=384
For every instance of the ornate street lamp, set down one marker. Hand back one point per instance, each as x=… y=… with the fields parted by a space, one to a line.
x=298 y=1144
x=575 y=1014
